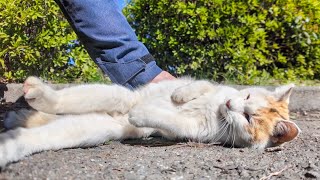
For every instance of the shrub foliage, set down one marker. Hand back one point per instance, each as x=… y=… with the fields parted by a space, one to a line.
x=247 y=41
x=35 y=39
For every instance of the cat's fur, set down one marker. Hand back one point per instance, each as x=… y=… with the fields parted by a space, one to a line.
x=88 y=115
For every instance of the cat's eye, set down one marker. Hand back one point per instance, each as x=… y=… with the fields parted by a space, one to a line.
x=248 y=97
x=247 y=116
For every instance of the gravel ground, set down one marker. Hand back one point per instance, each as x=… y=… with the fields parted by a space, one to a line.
x=160 y=159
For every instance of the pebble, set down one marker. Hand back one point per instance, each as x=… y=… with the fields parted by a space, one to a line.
x=312 y=174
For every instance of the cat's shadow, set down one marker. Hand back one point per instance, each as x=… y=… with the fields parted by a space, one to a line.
x=157 y=141
x=150 y=142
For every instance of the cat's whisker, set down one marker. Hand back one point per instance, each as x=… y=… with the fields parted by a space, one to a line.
x=216 y=138
x=222 y=126
x=222 y=118
x=226 y=141
x=230 y=129
x=234 y=135
x=222 y=129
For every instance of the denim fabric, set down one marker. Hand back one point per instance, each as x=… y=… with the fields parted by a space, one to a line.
x=110 y=41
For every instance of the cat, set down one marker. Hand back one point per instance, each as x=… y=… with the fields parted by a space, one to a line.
x=196 y=110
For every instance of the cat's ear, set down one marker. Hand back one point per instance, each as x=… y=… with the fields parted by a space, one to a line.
x=284 y=131
x=283 y=93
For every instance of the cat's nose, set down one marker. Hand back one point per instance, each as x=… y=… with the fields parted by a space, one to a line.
x=228 y=104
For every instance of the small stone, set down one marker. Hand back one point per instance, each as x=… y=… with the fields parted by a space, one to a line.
x=312 y=174
x=244 y=173
x=304 y=113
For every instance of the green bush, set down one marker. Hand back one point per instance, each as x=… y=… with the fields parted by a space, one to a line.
x=245 y=41
x=35 y=39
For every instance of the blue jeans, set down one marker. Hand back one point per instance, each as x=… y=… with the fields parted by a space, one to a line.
x=110 y=41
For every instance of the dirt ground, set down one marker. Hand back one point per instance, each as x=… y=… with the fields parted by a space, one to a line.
x=160 y=159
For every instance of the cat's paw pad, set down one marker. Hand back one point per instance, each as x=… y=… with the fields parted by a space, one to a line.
x=182 y=95
x=32 y=88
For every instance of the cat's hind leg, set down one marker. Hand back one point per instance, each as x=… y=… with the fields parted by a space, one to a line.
x=79 y=99
x=65 y=132
x=27 y=118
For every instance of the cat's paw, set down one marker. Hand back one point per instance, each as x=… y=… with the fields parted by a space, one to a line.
x=33 y=88
x=182 y=95
x=39 y=95
x=136 y=121
x=137 y=117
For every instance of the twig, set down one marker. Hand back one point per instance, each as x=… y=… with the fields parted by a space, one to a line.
x=274 y=174
x=274 y=149
x=255 y=169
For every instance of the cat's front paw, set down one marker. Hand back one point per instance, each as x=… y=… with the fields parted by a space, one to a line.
x=137 y=118
x=182 y=95
x=33 y=88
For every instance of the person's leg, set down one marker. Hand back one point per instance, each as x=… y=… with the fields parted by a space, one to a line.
x=110 y=41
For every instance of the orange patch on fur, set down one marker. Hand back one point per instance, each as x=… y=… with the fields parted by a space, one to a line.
x=265 y=119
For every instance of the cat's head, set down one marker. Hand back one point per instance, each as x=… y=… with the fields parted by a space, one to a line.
x=259 y=118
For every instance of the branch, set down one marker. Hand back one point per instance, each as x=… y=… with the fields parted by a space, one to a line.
x=274 y=174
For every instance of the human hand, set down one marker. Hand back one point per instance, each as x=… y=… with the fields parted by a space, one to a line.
x=164 y=75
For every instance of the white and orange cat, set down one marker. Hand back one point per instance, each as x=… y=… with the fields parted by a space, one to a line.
x=197 y=110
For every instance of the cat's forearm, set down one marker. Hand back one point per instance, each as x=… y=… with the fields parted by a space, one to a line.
x=169 y=121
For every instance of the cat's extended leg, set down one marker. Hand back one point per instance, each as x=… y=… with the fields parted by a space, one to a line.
x=192 y=91
x=78 y=99
x=66 y=132
x=27 y=118
x=173 y=122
